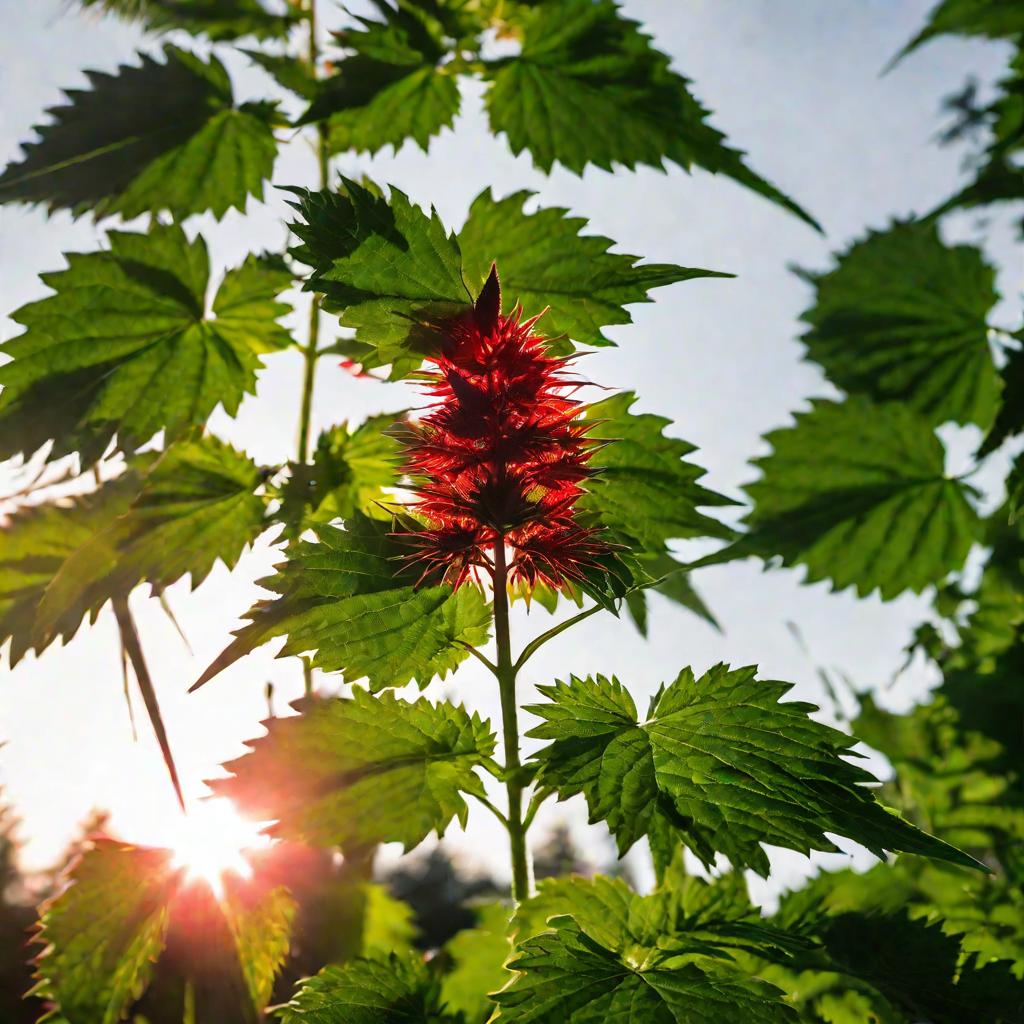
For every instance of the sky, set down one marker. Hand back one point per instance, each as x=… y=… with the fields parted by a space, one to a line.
x=795 y=83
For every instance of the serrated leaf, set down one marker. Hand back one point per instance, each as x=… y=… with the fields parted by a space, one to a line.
x=992 y=19
x=218 y=20
x=153 y=137
x=567 y=976
x=396 y=990
x=103 y=934
x=35 y=544
x=903 y=318
x=646 y=492
x=356 y=771
x=349 y=599
x=478 y=956
x=857 y=493
x=588 y=88
x=384 y=266
x=727 y=764
x=546 y=264
x=394 y=274
x=351 y=471
x=291 y=73
x=126 y=341
x=392 y=86
x=170 y=515
x=261 y=927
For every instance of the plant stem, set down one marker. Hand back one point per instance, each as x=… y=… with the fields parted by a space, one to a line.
x=188 y=1015
x=510 y=727
x=310 y=348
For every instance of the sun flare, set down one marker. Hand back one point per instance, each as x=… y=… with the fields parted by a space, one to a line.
x=212 y=840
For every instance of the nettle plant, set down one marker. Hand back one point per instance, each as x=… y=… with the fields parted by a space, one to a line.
x=408 y=536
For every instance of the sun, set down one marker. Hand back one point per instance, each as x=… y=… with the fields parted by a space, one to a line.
x=211 y=841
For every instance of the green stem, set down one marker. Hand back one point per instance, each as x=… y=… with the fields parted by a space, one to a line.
x=510 y=726
x=188 y=1015
x=309 y=350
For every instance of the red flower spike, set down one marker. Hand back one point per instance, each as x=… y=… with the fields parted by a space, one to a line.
x=502 y=456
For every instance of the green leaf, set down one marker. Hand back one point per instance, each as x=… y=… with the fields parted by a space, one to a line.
x=392 y=86
x=565 y=975
x=723 y=760
x=920 y=969
x=646 y=492
x=588 y=88
x=349 y=598
x=356 y=771
x=198 y=506
x=351 y=471
x=991 y=19
x=218 y=20
x=171 y=514
x=546 y=264
x=37 y=542
x=125 y=341
x=903 y=318
x=104 y=933
x=857 y=493
x=388 y=270
x=261 y=926
x=387 y=923
x=396 y=990
x=478 y=955
x=291 y=73
x=394 y=274
x=153 y=137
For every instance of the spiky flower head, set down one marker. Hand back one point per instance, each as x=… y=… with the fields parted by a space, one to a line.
x=502 y=456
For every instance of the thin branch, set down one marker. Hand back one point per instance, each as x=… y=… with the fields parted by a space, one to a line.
x=538 y=798
x=480 y=657
x=538 y=642
x=494 y=810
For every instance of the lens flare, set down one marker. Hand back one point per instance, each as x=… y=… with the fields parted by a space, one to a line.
x=212 y=840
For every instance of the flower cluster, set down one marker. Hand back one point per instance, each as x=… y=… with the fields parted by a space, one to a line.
x=502 y=455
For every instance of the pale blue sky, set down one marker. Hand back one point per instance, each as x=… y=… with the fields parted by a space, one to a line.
x=795 y=83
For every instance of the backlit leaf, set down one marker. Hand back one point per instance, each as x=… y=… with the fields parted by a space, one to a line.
x=720 y=758
x=348 y=599
x=216 y=19
x=126 y=344
x=356 y=771
x=155 y=136
x=903 y=318
x=546 y=264
x=858 y=494
x=588 y=88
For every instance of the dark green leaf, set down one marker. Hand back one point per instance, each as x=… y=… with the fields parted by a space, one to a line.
x=291 y=73
x=568 y=977
x=103 y=934
x=857 y=493
x=396 y=990
x=150 y=138
x=588 y=88
x=216 y=19
x=388 y=270
x=349 y=599
x=992 y=19
x=546 y=264
x=723 y=760
x=125 y=340
x=646 y=492
x=903 y=318
x=392 y=273
x=356 y=771
x=392 y=86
